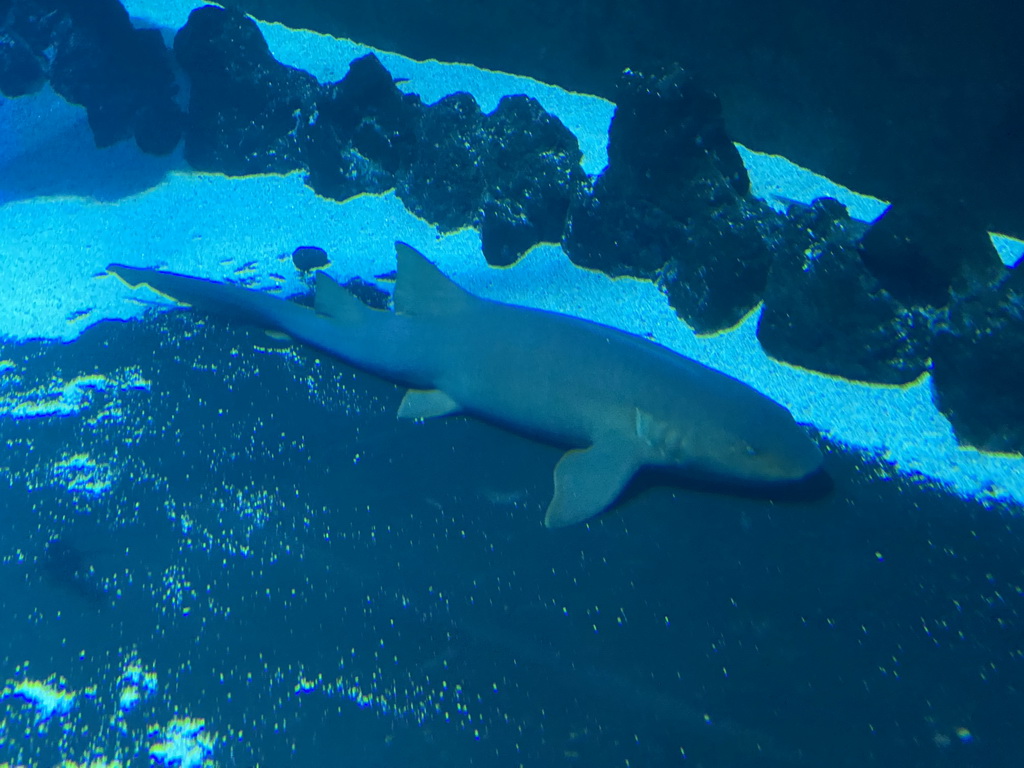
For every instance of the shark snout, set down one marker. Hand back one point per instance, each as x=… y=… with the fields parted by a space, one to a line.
x=799 y=460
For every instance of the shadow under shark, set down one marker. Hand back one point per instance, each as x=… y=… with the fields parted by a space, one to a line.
x=617 y=401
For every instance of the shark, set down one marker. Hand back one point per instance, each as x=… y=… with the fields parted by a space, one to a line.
x=615 y=401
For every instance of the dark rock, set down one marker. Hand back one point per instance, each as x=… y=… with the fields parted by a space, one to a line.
x=824 y=310
x=668 y=142
x=245 y=108
x=511 y=173
x=978 y=366
x=532 y=172
x=158 y=127
x=825 y=220
x=620 y=235
x=920 y=250
x=712 y=269
x=110 y=118
x=112 y=69
x=36 y=23
x=865 y=303
x=307 y=257
x=718 y=270
x=445 y=183
x=95 y=58
x=363 y=135
x=673 y=204
x=20 y=70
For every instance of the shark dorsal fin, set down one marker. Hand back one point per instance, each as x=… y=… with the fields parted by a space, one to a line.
x=422 y=288
x=333 y=300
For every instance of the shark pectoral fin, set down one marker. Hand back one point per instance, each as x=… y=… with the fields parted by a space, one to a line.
x=588 y=481
x=426 y=404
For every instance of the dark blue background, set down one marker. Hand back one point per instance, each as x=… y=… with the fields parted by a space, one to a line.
x=857 y=629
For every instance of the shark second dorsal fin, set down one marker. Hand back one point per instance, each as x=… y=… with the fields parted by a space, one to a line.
x=333 y=300
x=422 y=288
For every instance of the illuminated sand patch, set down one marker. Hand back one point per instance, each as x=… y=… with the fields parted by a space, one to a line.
x=49 y=698
x=58 y=397
x=130 y=732
x=137 y=684
x=82 y=474
x=183 y=743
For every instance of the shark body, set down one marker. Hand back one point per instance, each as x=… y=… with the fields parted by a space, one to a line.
x=616 y=401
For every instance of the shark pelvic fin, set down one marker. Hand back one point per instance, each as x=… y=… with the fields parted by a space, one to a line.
x=426 y=404
x=588 y=481
x=423 y=289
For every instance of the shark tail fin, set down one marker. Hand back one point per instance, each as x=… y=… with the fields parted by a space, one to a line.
x=423 y=289
x=250 y=306
x=334 y=301
x=133 y=276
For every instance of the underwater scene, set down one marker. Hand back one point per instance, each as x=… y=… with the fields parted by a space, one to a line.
x=372 y=412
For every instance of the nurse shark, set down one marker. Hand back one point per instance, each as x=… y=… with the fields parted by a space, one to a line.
x=617 y=402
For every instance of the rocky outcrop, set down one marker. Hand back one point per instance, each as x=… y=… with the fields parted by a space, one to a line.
x=673 y=205
x=93 y=56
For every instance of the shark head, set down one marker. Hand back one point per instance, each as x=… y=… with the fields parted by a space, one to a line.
x=762 y=445
x=782 y=453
